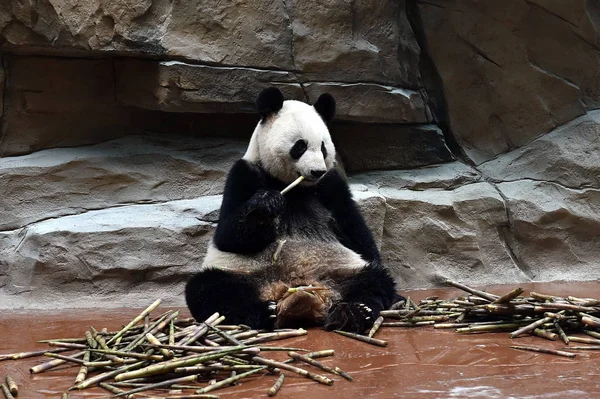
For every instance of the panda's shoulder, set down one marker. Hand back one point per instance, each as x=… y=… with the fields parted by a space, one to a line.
x=243 y=168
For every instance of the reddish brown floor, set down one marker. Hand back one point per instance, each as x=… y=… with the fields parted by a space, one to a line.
x=418 y=363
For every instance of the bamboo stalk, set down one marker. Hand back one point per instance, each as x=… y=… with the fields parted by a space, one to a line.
x=450 y=325
x=372 y=341
x=545 y=334
x=590 y=322
x=592 y=333
x=65 y=340
x=90 y=340
x=277 y=386
x=408 y=324
x=136 y=320
x=530 y=327
x=543 y=350
x=543 y=297
x=566 y=306
x=375 y=327
x=276 y=336
x=52 y=363
x=584 y=348
x=12 y=385
x=172 y=333
x=83 y=370
x=68 y=345
x=200 y=369
x=66 y=358
x=292 y=185
x=312 y=362
x=509 y=296
x=561 y=333
x=166 y=366
x=482 y=294
x=111 y=388
x=227 y=381
x=488 y=328
x=134 y=355
x=272 y=363
x=585 y=340
x=6 y=392
x=24 y=355
x=107 y=375
x=200 y=330
x=165 y=352
x=152 y=329
x=187 y=378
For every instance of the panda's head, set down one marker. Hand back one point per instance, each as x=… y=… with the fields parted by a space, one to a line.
x=292 y=138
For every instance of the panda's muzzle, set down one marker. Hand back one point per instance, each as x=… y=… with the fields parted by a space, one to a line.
x=317 y=173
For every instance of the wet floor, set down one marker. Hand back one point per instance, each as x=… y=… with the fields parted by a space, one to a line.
x=417 y=363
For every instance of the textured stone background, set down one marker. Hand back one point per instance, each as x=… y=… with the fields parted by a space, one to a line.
x=468 y=128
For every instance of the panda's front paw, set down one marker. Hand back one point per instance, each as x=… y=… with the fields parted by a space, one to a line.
x=267 y=204
x=353 y=317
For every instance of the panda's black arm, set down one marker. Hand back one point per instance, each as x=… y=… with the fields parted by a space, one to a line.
x=350 y=227
x=248 y=211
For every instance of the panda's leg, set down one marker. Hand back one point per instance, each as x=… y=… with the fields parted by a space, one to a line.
x=364 y=294
x=235 y=296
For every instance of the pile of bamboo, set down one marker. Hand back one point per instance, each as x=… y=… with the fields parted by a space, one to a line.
x=182 y=358
x=179 y=356
x=546 y=316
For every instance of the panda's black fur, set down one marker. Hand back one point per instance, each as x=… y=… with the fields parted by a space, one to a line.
x=254 y=214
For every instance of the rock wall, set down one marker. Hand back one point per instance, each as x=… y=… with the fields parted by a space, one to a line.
x=468 y=129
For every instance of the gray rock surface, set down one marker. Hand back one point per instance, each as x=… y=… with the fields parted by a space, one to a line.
x=366 y=102
x=430 y=236
x=53 y=102
x=554 y=230
x=389 y=146
x=357 y=41
x=512 y=70
x=135 y=169
x=569 y=155
x=127 y=254
x=151 y=249
x=175 y=86
x=333 y=40
x=442 y=177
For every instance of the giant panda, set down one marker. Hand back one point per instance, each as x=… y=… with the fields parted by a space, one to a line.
x=314 y=235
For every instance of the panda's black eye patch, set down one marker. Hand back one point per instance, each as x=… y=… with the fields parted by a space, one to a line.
x=298 y=149
x=323 y=149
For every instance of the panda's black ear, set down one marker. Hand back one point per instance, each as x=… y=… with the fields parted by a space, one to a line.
x=269 y=101
x=325 y=106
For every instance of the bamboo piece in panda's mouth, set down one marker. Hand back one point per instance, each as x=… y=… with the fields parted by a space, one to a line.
x=292 y=185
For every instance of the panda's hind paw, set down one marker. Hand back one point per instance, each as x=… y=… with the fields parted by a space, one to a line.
x=353 y=317
x=271 y=307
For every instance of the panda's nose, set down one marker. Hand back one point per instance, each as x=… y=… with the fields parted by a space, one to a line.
x=317 y=173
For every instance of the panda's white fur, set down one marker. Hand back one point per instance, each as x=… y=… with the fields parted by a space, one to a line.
x=269 y=147
x=272 y=139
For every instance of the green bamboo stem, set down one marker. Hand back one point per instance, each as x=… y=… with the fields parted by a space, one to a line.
x=272 y=363
x=187 y=378
x=227 y=381
x=277 y=386
x=544 y=350
x=136 y=320
x=166 y=366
